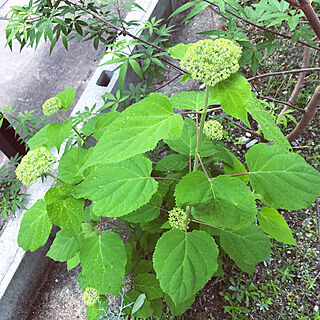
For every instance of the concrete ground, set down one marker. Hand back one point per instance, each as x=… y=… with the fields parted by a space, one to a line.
x=30 y=77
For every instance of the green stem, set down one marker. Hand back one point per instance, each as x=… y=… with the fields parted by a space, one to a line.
x=200 y=131
x=75 y=130
x=54 y=177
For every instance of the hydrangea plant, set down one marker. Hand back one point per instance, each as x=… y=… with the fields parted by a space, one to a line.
x=181 y=213
x=34 y=164
x=51 y=106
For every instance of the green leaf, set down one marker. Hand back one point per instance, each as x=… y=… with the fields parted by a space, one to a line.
x=222 y=202
x=270 y=130
x=194 y=189
x=145 y=311
x=73 y=262
x=190 y=100
x=234 y=204
x=187 y=143
x=70 y=165
x=248 y=245
x=117 y=189
x=67 y=97
x=283 y=179
x=103 y=123
x=58 y=132
x=138 y=304
x=148 y=284
x=172 y=162
x=184 y=262
x=177 y=310
x=40 y=139
x=178 y=51
x=35 y=227
x=146 y=213
x=64 y=211
x=122 y=75
x=64 y=247
x=137 y=130
x=103 y=261
x=234 y=94
x=143 y=266
x=136 y=67
x=184 y=7
x=99 y=309
x=237 y=167
x=272 y=222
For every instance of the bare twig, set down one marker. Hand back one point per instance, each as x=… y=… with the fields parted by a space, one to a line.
x=298 y=86
x=288 y=105
x=256 y=134
x=310 y=111
x=282 y=73
x=186 y=225
x=199 y=112
x=238 y=16
x=169 y=179
x=206 y=224
x=167 y=83
x=202 y=166
x=311 y=15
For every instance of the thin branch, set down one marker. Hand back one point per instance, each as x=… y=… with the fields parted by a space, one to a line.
x=209 y=225
x=234 y=175
x=199 y=112
x=169 y=179
x=289 y=105
x=239 y=174
x=167 y=83
x=282 y=73
x=256 y=134
x=308 y=115
x=299 y=83
x=311 y=15
x=238 y=16
x=202 y=166
x=186 y=226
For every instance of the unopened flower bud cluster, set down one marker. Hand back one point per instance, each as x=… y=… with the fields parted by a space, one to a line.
x=90 y=296
x=34 y=164
x=177 y=218
x=51 y=106
x=213 y=130
x=211 y=61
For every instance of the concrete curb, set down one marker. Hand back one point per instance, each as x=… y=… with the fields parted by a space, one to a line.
x=20 y=272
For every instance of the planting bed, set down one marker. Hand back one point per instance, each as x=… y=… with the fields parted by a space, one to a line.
x=285 y=286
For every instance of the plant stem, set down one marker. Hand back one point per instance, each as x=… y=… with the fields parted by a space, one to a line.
x=75 y=130
x=54 y=177
x=200 y=132
x=209 y=225
x=202 y=166
x=169 y=179
x=186 y=225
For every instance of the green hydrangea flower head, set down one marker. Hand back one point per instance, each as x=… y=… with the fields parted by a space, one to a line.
x=213 y=130
x=34 y=164
x=211 y=61
x=90 y=296
x=177 y=218
x=51 y=106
